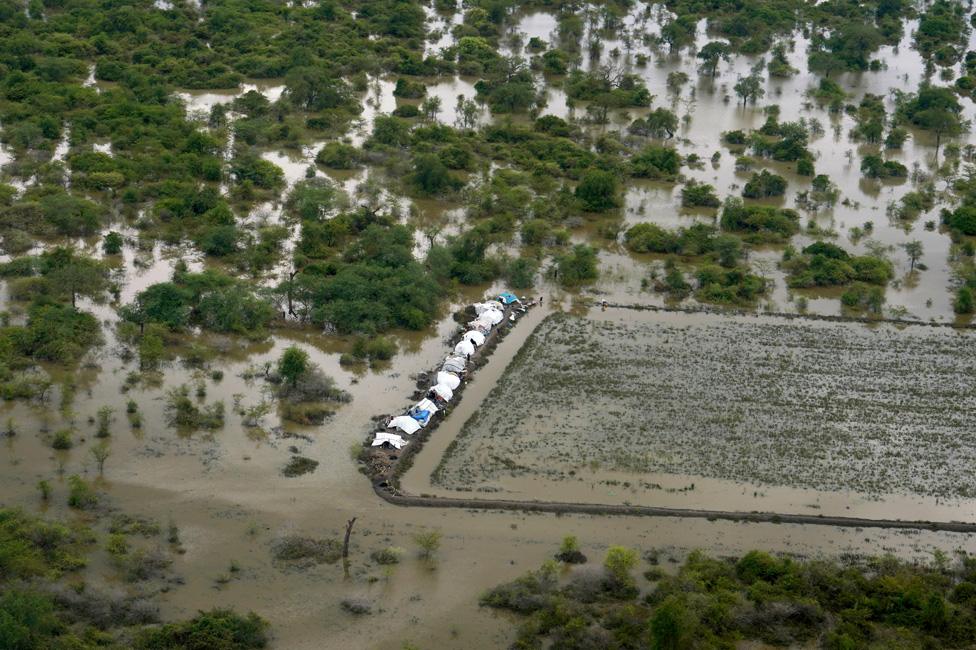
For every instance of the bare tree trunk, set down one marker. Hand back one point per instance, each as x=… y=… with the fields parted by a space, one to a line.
x=345 y=542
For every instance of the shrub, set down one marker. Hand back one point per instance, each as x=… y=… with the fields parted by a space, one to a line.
x=386 y=556
x=764 y=184
x=597 y=191
x=656 y=163
x=307 y=550
x=578 y=266
x=112 y=243
x=62 y=440
x=760 y=222
x=338 y=155
x=428 y=542
x=699 y=195
x=299 y=465
x=218 y=629
x=963 y=303
x=81 y=496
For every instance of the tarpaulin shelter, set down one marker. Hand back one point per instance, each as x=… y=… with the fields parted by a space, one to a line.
x=481 y=307
x=448 y=379
x=507 y=298
x=423 y=411
x=475 y=337
x=464 y=347
x=443 y=392
x=392 y=439
x=454 y=364
x=404 y=423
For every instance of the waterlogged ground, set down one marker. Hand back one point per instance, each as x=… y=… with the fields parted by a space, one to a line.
x=759 y=401
x=776 y=413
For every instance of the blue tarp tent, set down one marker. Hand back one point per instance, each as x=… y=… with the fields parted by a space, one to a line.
x=508 y=298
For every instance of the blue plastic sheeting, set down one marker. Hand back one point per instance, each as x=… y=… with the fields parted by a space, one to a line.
x=508 y=298
x=421 y=416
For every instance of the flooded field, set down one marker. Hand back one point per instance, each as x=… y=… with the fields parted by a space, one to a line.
x=656 y=408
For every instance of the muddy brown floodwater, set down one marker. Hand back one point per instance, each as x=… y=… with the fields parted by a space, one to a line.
x=225 y=490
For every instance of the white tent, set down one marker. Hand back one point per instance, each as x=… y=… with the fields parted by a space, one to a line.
x=424 y=405
x=448 y=379
x=453 y=364
x=475 y=337
x=404 y=423
x=443 y=392
x=464 y=347
x=481 y=307
x=492 y=315
x=391 y=439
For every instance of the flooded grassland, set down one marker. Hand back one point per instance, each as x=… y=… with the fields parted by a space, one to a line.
x=728 y=413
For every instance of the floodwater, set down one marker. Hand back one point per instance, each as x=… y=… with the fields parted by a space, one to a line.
x=224 y=488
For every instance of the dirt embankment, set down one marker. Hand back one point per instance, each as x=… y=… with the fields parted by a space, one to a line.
x=383 y=466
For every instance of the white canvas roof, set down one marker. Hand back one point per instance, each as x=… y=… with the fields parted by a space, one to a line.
x=448 y=379
x=391 y=439
x=475 y=337
x=481 y=307
x=404 y=423
x=452 y=365
x=492 y=315
x=425 y=405
x=464 y=347
x=443 y=392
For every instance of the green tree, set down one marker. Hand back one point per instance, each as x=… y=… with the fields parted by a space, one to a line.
x=431 y=177
x=914 y=251
x=934 y=109
x=578 y=266
x=597 y=191
x=711 y=54
x=749 y=88
x=619 y=562
x=112 y=243
x=669 y=625
x=293 y=364
x=74 y=275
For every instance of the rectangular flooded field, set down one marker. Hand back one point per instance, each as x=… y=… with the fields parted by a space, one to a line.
x=804 y=405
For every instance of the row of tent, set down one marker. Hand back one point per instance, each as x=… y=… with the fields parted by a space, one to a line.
x=489 y=314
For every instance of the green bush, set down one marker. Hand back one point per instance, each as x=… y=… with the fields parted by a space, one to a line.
x=764 y=184
x=699 y=195
x=218 y=629
x=81 y=495
x=597 y=191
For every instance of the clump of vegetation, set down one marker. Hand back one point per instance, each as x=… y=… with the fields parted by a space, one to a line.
x=299 y=465
x=298 y=550
x=699 y=195
x=759 y=223
x=823 y=264
x=183 y=413
x=299 y=380
x=597 y=191
x=81 y=495
x=387 y=556
x=569 y=551
x=428 y=542
x=763 y=185
x=218 y=628
x=758 y=597
x=62 y=440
